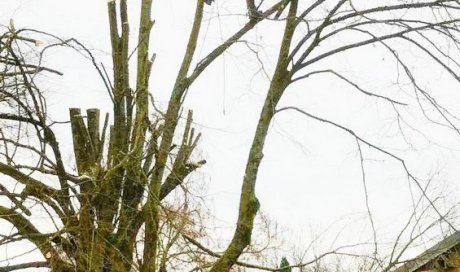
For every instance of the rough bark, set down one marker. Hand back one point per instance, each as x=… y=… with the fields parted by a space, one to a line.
x=249 y=205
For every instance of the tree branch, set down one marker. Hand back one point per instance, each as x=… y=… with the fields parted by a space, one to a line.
x=24 y=266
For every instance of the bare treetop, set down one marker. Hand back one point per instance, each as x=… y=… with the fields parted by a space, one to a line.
x=124 y=203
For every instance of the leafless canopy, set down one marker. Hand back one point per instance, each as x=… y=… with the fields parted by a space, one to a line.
x=109 y=207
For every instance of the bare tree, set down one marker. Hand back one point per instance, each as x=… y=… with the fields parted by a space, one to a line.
x=110 y=214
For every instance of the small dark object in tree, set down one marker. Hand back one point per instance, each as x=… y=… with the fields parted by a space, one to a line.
x=284 y=265
x=209 y=2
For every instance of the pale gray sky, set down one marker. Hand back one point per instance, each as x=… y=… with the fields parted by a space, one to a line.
x=310 y=176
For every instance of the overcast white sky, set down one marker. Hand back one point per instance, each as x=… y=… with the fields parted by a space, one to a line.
x=310 y=176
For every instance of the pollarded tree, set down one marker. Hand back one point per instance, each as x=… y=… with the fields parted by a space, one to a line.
x=110 y=213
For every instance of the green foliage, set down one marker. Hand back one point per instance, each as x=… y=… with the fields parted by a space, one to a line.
x=112 y=239
x=284 y=265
